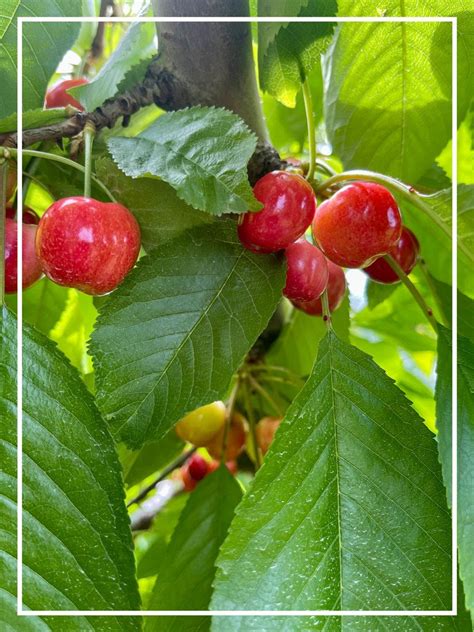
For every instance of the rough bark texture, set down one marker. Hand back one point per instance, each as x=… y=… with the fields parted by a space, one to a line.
x=213 y=59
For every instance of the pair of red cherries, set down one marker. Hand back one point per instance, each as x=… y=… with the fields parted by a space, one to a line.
x=355 y=228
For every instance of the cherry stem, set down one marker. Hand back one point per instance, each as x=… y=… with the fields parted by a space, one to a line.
x=182 y=458
x=428 y=312
x=228 y=417
x=324 y=166
x=308 y=106
x=265 y=394
x=413 y=196
x=253 y=426
x=65 y=161
x=89 y=133
x=326 y=310
x=434 y=291
x=3 y=206
x=37 y=181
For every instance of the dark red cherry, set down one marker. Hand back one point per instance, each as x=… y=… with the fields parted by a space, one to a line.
x=289 y=205
x=405 y=252
x=336 y=288
x=306 y=271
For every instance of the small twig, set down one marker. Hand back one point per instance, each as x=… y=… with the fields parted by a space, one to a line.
x=308 y=106
x=326 y=310
x=252 y=424
x=427 y=311
x=228 y=417
x=164 y=474
x=434 y=291
x=89 y=133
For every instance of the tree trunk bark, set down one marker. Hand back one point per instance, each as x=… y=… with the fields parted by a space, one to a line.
x=214 y=60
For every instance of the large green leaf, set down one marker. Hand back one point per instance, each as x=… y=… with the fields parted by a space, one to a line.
x=288 y=51
x=202 y=152
x=43 y=48
x=348 y=510
x=73 y=329
x=465 y=311
x=296 y=347
x=77 y=551
x=461 y=9
x=154 y=456
x=381 y=115
x=33 y=118
x=162 y=215
x=43 y=304
x=465 y=445
x=187 y=568
x=171 y=337
x=434 y=231
x=136 y=44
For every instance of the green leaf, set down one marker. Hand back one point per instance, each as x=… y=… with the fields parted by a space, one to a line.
x=32 y=119
x=288 y=52
x=154 y=456
x=465 y=310
x=465 y=445
x=162 y=215
x=296 y=347
x=435 y=236
x=348 y=510
x=43 y=304
x=385 y=97
x=72 y=331
x=187 y=568
x=202 y=152
x=43 y=48
x=150 y=545
x=171 y=337
x=378 y=292
x=77 y=551
x=135 y=45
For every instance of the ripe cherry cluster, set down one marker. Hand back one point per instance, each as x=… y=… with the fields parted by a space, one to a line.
x=355 y=228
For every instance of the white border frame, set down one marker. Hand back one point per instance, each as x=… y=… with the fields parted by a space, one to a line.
x=265 y=613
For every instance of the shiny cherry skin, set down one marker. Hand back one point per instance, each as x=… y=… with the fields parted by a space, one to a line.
x=87 y=244
x=198 y=467
x=336 y=290
x=265 y=432
x=29 y=215
x=289 y=206
x=201 y=425
x=358 y=224
x=58 y=97
x=235 y=439
x=405 y=252
x=306 y=271
x=30 y=265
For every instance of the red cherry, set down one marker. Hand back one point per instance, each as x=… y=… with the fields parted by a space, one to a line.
x=87 y=244
x=289 y=205
x=188 y=481
x=198 y=467
x=358 y=224
x=336 y=289
x=58 y=97
x=230 y=465
x=405 y=252
x=306 y=271
x=30 y=265
x=29 y=215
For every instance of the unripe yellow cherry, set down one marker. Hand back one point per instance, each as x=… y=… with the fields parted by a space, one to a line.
x=201 y=425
